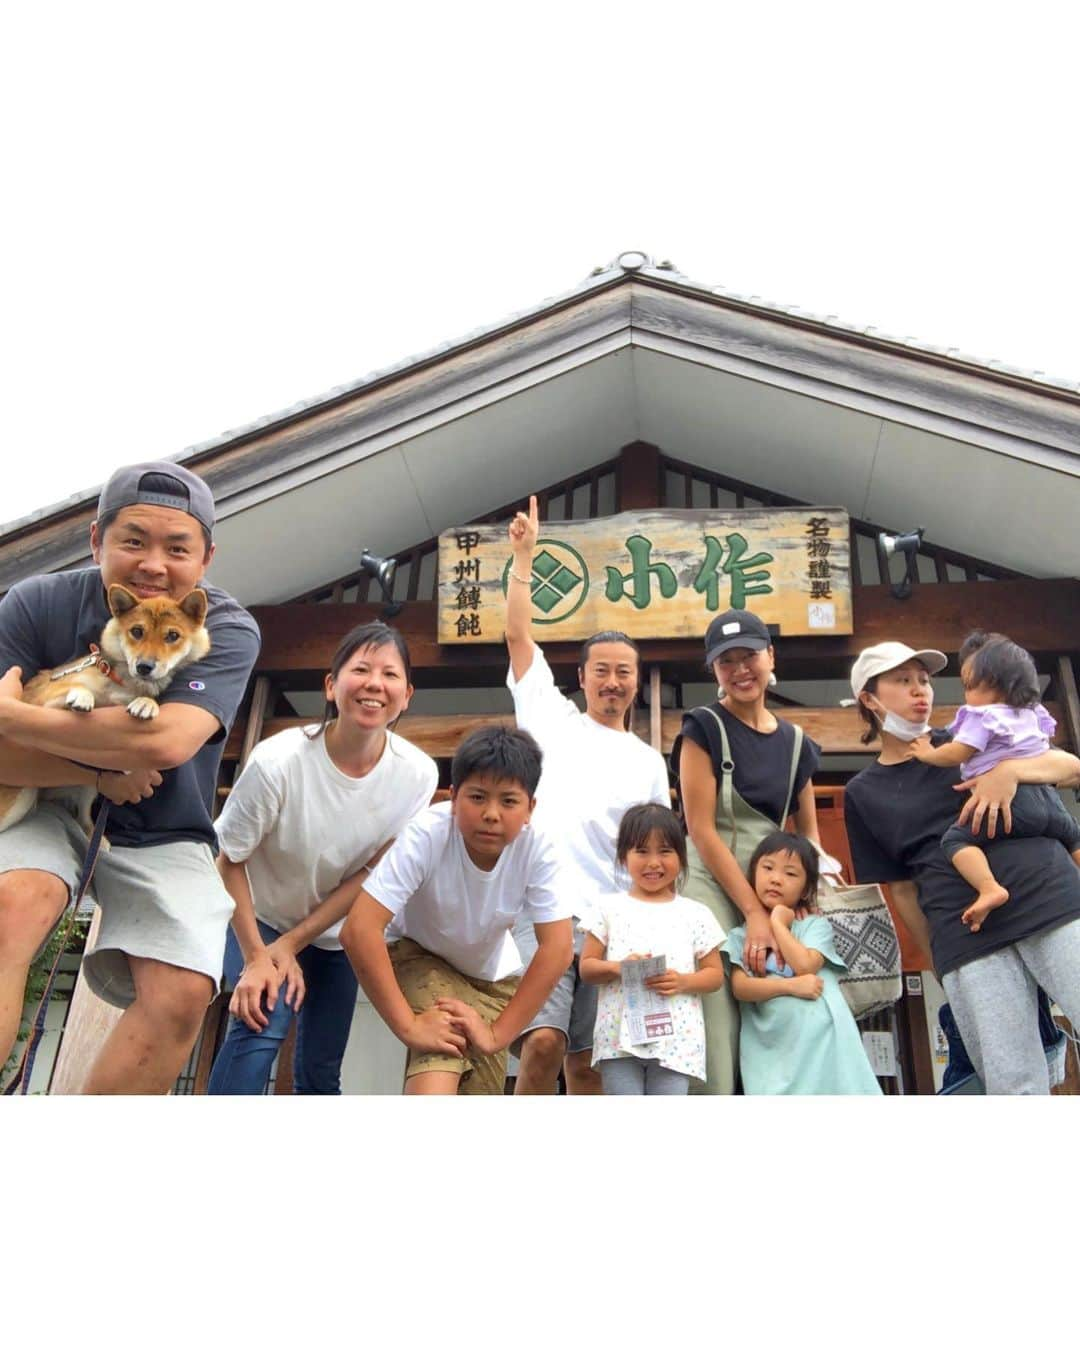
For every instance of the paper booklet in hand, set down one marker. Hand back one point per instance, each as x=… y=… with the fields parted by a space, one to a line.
x=646 y=1015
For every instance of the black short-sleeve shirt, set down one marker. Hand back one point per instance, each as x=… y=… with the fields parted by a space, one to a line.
x=762 y=761
x=896 y=817
x=50 y=620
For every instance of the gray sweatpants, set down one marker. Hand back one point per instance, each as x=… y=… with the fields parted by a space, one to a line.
x=636 y=1075
x=993 y=999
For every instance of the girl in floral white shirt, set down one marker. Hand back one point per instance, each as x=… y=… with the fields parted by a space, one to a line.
x=650 y=920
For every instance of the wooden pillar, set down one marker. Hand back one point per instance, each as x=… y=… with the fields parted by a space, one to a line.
x=655 y=710
x=260 y=702
x=914 y=1037
x=283 y=1080
x=89 y=1023
x=638 y=477
x=211 y=1028
x=218 y=1008
x=1069 y=699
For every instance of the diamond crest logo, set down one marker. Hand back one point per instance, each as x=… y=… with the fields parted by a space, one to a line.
x=560 y=581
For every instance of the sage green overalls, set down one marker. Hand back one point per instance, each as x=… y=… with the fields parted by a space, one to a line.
x=741 y=827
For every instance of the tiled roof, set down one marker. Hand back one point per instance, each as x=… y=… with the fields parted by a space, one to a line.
x=670 y=272
x=624 y=265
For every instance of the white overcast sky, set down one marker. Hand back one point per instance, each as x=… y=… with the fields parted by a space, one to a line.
x=213 y=211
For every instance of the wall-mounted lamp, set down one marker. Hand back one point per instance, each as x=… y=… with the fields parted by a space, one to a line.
x=908 y=545
x=382 y=571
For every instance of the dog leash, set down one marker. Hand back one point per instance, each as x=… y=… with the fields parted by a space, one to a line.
x=20 y=1083
x=94 y=659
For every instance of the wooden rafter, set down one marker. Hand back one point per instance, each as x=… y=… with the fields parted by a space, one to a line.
x=641 y=475
x=412 y=557
x=716 y=481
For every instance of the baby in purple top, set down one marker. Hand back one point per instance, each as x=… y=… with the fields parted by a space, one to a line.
x=996 y=732
x=1002 y=718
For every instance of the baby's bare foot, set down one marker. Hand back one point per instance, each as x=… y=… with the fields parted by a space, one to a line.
x=984 y=904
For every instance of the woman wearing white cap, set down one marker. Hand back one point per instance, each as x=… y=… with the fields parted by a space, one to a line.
x=897 y=810
x=742 y=773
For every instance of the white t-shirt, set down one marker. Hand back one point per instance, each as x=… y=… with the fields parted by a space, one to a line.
x=591 y=775
x=300 y=825
x=440 y=899
x=684 y=931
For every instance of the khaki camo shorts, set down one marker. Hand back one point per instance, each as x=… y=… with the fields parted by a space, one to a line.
x=424 y=978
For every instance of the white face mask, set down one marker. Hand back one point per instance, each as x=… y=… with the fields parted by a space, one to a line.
x=900 y=728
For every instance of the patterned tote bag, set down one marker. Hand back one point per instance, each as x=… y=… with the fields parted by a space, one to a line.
x=866 y=940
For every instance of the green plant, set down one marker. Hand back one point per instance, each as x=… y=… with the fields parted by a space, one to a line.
x=69 y=935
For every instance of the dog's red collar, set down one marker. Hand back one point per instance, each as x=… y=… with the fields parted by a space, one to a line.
x=104 y=666
x=94 y=657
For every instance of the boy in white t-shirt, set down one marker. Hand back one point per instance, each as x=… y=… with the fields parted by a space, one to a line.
x=429 y=935
x=595 y=768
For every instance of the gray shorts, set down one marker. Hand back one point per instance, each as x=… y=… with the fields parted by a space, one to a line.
x=571 y=1006
x=164 y=902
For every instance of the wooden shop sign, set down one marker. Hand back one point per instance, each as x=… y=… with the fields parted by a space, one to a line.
x=655 y=574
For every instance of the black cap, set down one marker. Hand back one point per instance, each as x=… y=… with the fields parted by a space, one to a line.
x=735 y=630
x=190 y=493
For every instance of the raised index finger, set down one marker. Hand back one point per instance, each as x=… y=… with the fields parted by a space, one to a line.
x=534 y=517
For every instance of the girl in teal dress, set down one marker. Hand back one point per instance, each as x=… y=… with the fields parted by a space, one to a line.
x=797 y=1033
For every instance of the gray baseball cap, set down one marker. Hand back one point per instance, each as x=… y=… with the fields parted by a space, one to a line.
x=127 y=486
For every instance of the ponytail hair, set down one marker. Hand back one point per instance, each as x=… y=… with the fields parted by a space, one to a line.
x=371 y=635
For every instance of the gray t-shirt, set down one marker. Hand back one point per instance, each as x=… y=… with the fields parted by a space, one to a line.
x=50 y=620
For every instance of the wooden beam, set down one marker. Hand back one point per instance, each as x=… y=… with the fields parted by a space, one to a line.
x=1041 y=615
x=437 y=735
x=836 y=729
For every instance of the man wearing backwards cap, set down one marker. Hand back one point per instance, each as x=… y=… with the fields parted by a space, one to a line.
x=164 y=909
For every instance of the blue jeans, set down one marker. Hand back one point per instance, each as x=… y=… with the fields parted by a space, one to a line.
x=244 y=1063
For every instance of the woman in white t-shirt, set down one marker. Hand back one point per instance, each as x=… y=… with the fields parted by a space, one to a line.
x=304 y=824
x=594 y=769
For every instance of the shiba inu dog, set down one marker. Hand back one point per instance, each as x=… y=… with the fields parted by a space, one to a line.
x=142 y=646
